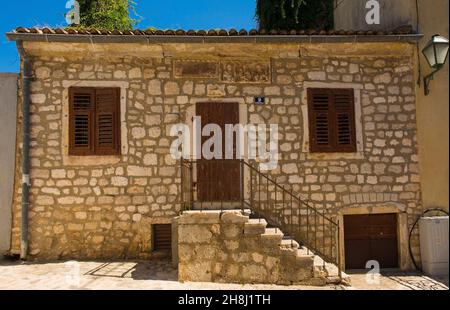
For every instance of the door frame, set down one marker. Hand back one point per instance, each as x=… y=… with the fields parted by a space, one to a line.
x=370 y=246
x=404 y=262
x=243 y=120
x=209 y=187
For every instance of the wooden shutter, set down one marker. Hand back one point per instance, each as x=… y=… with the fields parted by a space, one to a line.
x=94 y=121
x=107 y=140
x=81 y=121
x=162 y=237
x=331 y=120
x=319 y=120
x=344 y=113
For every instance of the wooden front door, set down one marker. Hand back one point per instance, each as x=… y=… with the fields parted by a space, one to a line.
x=218 y=180
x=370 y=237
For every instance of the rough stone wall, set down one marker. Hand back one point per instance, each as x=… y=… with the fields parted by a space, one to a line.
x=98 y=207
x=104 y=207
x=384 y=171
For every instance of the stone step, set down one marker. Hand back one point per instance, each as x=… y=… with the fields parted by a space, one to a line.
x=322 y=273
x=271 y=237
x=217 y=205
x=274 y=231
x=304 y=251
x=301 y=253
x=247 y=212
x=289 y=243
x=260 y=221
x=322 y=269
x=255 y=227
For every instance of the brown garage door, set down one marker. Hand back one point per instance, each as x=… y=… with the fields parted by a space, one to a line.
x=370 y=237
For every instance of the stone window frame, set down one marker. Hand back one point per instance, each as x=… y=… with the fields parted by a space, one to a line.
x=93 y=147
x=399 y=209
x=359 y=154
x=332 y=124
x=72 y=160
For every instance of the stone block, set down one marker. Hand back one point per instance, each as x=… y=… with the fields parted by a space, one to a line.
x=137 y=171
x=195 y=271
x=171 y=88
x=199 y=217
x=231 y=231
x=253 y=274
x=255 y=228
x=194 y=233
x=233 y=217
x=317 y=75
x=135 y=73
x=154 y=87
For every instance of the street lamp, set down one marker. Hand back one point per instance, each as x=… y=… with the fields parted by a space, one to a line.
x=435 y=52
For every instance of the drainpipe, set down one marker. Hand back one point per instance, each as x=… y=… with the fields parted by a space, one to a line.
x=26 y=76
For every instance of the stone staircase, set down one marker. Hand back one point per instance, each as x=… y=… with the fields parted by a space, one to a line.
x=300 y=265
x=228 y=246
x=282 y=208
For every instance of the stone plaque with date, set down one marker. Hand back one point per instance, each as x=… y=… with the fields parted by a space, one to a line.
x=201 y=69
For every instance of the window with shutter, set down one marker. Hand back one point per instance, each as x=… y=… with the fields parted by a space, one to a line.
x=331 y=120
x=94 y=121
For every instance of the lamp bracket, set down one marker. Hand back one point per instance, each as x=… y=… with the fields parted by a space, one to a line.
x=427 y=80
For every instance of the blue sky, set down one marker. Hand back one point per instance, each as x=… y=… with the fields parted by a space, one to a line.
x=184 y=14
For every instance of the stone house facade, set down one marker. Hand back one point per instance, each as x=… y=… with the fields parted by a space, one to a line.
x=106 y=206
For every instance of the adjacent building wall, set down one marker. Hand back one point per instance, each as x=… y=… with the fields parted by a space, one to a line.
x=351 y=14
x=432 y=111
x=8 y=105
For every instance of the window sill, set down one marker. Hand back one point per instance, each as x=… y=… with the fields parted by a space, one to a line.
x=334 y=156
x=91 y=160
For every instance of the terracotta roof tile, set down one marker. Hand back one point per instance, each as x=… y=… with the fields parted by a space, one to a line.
x=212 y=32
x=232 y=32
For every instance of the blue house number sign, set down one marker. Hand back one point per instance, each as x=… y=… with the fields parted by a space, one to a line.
x=260 y=100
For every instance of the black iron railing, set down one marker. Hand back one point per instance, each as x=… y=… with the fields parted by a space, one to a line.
x=265 y=198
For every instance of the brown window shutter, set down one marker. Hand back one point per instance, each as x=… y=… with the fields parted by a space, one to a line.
x=107 y=119
x=344 y=113
x=81 y=121
x=331 y=120
x=162 y=237
x=319 y=102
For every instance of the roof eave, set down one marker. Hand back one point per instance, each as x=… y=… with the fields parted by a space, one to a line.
x=149 y=39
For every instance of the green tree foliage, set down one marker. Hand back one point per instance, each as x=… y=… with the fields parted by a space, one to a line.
x=294 y=14
x=107 y=14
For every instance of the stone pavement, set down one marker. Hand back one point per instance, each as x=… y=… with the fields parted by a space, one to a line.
x=398 y=280
x=160 y=275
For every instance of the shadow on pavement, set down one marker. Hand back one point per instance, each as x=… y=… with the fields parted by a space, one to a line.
x=161 y=270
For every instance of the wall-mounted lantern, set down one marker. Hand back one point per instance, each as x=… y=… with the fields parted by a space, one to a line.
x=435 y=52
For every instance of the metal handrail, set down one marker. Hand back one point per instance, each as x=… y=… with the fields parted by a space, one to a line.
x=313 y=232
x=287 y=192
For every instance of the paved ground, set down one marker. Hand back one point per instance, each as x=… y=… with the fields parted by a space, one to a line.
x=159 y=274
